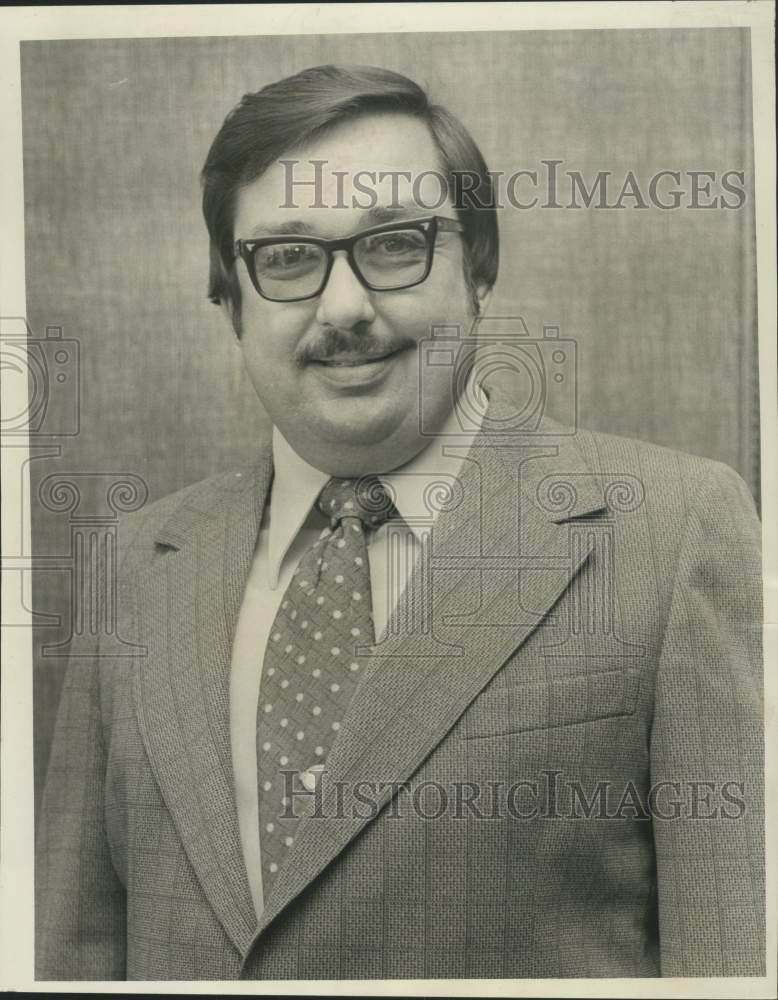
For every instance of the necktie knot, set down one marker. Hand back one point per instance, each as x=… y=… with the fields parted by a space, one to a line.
x=366 y=498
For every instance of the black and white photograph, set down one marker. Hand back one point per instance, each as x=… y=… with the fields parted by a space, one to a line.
x=389 y=458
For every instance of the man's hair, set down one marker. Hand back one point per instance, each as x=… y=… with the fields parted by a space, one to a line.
x=286 y=114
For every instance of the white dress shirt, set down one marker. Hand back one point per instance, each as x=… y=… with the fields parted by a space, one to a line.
x=290 y=525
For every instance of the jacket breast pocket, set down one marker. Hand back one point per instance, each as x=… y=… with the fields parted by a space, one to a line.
x=560 y=701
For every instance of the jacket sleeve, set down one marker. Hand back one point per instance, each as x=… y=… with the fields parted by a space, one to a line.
x=79 y=900
x=708 y=741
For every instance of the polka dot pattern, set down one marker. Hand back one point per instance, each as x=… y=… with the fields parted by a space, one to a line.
x=311 y=668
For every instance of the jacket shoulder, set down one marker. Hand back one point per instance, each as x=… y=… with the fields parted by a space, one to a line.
x=667 y=469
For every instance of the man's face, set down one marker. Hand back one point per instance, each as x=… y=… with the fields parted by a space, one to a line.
x=313 y=363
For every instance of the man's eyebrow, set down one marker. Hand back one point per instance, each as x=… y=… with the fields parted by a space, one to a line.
x=392 y=213
x=295 y=227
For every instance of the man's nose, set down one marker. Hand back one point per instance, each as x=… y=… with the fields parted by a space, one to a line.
x=345 y=301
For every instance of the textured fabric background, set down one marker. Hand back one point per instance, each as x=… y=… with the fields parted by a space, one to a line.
x=661 y=304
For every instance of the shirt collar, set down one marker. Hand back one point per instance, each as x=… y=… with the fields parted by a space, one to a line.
x=296 y=484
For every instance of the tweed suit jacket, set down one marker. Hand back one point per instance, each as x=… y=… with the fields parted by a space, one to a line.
x=594 y=639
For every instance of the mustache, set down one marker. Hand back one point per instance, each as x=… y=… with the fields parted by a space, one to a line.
x=360 y=341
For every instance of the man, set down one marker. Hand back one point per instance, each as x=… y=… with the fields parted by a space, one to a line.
x=433 y=690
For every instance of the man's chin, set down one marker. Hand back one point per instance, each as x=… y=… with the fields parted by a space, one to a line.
x=369 y=430
x=357 y=442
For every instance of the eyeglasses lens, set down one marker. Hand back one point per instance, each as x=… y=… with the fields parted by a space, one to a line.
x=289 y=270
x=392 y=260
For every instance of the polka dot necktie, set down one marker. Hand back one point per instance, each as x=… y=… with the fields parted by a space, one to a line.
x=311 y=670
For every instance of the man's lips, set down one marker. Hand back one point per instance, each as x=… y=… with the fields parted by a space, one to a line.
x=355 y=360
x=356 y=371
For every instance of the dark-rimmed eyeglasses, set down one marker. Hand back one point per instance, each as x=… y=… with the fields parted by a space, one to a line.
x=384 y=258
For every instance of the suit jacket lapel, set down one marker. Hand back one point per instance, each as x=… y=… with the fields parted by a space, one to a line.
x=192 y=595
x=415 y=686
x=418 y=685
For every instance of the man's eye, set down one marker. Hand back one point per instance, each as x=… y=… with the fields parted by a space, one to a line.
x=288 y=255
x=397 y=244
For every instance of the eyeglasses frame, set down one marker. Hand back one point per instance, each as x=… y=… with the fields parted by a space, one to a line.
x=429 y=225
